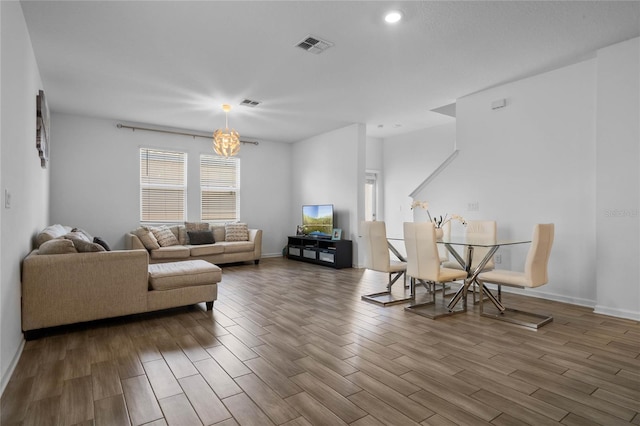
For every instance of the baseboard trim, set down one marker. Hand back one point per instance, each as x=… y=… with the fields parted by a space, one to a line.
x=618 y=313
x=552 y=296
x=14 y=363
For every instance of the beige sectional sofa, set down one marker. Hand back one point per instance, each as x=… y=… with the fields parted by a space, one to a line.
x=246 y=246
x=61 y=285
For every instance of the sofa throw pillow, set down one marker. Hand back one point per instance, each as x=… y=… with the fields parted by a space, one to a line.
x=49 y=233
x=82 y=245
x=147 y=238
x=197 y=238
x=164 y=236
x=83 y=232
x=183 y=237
x=57 y=246
x=78 y=236
x=102 y=242
x=236 y=232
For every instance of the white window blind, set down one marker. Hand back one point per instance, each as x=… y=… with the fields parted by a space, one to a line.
x=162 y=185
x=219 y=188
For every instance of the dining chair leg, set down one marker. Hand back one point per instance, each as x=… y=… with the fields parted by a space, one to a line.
x=514 y=319
x=386 y=298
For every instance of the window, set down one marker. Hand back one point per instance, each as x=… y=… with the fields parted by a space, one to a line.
x=162 y=185
x=219 y=188
x=370 y=199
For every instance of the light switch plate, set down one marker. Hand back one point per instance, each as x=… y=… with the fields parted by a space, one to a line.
x=7 y=199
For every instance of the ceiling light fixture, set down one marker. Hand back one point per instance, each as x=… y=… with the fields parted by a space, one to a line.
x=393 y=17
x=226 y=142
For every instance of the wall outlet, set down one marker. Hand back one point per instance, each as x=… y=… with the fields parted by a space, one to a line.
x=498 y=259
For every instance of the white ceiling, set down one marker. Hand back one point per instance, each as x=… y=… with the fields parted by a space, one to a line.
x=173 y=63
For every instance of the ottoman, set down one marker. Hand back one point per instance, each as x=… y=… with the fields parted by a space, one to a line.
x=183 y=283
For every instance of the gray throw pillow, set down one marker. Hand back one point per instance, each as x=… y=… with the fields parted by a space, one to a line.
x=197 y=238
x=191 y=226
x=102 y=242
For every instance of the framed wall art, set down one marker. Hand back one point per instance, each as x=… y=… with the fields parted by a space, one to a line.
x=42 y=128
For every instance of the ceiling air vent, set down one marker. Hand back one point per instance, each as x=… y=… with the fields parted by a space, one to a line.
x=250 y=103
x=314 y=44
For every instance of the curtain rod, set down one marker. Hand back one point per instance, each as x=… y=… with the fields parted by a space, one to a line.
x=194 y=135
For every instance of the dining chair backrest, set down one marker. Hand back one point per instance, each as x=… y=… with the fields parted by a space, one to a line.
x=374 y=241
x=482 y=230
x=446 y=234
x=536 y=265
x=423 y=260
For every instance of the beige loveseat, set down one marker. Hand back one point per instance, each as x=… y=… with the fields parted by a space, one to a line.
x=220 y=252
x=72 y=286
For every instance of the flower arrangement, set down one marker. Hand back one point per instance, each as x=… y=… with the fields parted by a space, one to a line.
x=438 y=221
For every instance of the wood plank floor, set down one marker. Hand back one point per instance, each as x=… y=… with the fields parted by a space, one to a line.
x=290 y=343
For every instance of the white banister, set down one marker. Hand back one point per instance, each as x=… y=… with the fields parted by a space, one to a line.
x=435 y=173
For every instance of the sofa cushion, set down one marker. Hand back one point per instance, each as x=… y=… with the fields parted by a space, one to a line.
x=170 y=252
x=236 y=232
x=51 y=232
x=197 y=238
x=147 y=238
x=102 y=242
x=83 y=232
x=172 y=275
x=82 y=245
x=206 y=249
x=236 y=246
x=165 y=237
x=218 y=232
x=191 y=226
x=57 y=246
x=75 y=235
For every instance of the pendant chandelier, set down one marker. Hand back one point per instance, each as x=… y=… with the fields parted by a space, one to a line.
x=226 y=142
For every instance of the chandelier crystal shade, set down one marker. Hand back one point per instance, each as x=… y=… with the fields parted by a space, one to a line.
x=226 y=142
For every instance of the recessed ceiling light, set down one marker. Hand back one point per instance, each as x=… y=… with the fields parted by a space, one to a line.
x=393 y=16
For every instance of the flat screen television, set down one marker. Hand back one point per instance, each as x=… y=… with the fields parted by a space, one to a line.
x=317 y=220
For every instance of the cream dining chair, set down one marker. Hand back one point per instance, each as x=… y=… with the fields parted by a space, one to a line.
x=423 y=264
x=535 y=274
x=377 y=258
x=477 y=230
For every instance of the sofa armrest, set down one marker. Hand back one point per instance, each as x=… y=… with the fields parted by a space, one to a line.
x=62 y=289
x=134 y=243
x=255 y=235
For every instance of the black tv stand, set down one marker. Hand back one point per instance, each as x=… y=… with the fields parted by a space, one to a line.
x=320 y=250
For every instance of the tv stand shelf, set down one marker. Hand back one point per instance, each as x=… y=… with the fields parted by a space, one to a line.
x=334 y=253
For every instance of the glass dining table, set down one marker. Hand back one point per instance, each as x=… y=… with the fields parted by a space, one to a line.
x=486 y=246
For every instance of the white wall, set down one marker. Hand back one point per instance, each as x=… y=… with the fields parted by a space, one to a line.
x=95 y=179
x=408 y=160
x=618 y=180
x=531 y=162
x=20 y=173
x=329 y=169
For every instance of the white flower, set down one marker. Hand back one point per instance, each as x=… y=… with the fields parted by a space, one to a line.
x=438 y=221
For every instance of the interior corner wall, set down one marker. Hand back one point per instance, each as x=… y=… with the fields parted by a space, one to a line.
x=329 y=169
x=407 y=161
x=95 y=179
x=531 y=162
x=21 y=175
x=618 y=180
